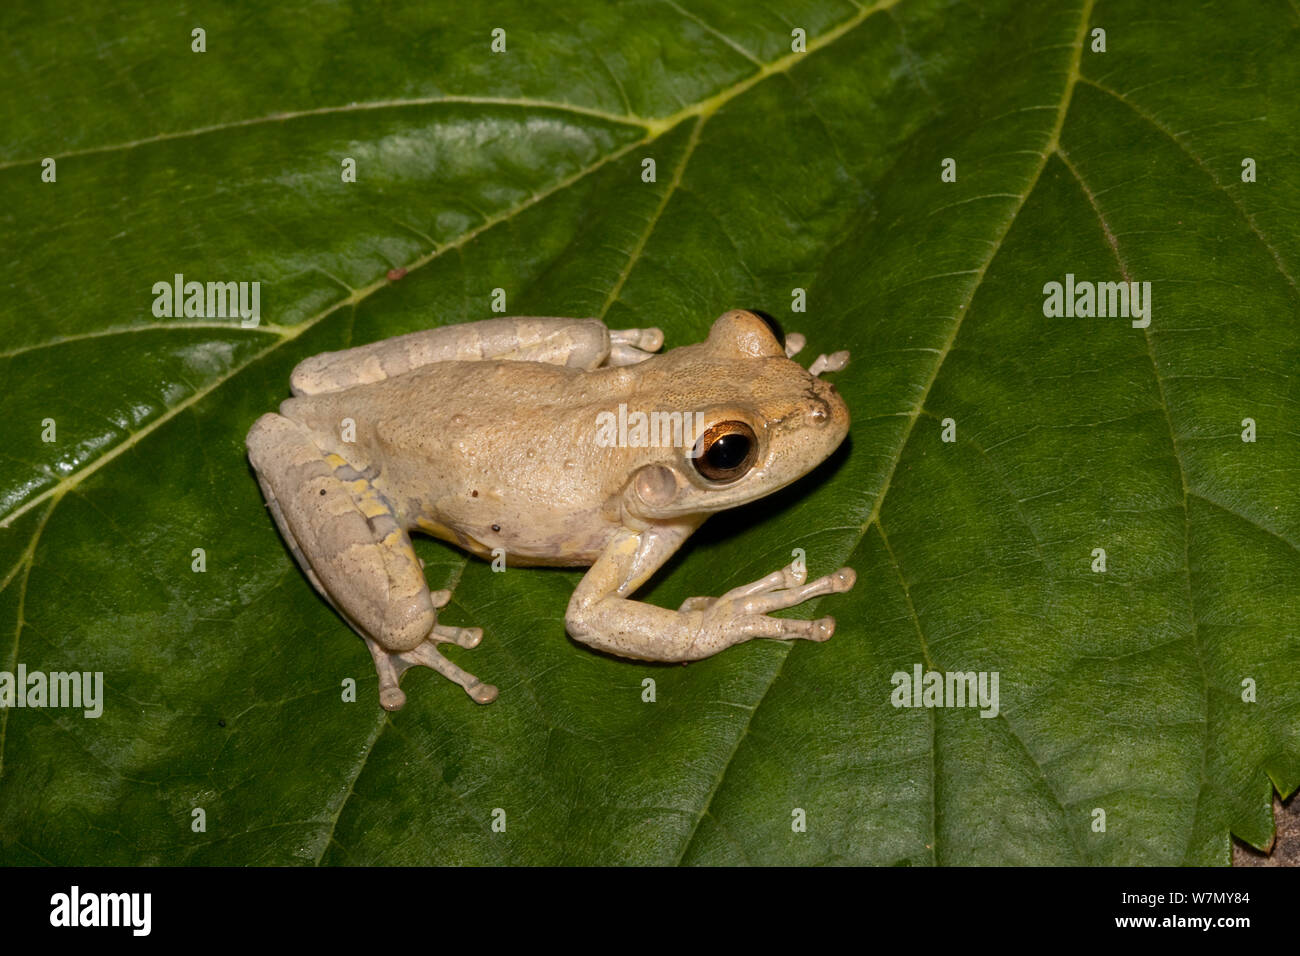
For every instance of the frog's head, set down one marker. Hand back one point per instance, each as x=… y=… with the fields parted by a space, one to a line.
x=760 y=421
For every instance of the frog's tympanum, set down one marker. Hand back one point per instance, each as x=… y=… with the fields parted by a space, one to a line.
x=550 y=441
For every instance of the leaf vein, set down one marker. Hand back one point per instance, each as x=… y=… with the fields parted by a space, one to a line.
x=644 y=238
x=1177 y=140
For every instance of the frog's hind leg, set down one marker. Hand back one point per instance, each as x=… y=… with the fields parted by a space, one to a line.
x=347 y=539
x=577 y=343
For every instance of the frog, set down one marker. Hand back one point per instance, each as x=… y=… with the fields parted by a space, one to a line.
x=494 y=437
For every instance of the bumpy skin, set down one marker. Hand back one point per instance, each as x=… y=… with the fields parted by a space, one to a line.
x=487 y=435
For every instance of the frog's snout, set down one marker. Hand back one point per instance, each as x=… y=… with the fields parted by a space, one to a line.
x=828 y=409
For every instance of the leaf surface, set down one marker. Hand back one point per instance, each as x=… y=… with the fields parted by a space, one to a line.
x=776 y=170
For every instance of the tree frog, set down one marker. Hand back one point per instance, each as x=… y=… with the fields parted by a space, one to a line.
x=497 y=436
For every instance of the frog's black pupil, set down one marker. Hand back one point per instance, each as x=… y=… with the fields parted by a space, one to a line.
x=728 y=452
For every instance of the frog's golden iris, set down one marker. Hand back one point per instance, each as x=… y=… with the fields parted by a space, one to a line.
x=726 y=451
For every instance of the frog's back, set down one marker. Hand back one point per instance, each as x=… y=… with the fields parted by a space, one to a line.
x=485 y=454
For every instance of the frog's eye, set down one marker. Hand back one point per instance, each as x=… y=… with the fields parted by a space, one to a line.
x=725 y=452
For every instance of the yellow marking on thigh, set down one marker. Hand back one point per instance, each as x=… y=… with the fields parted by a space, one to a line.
x=373 y=507
x=436 y=528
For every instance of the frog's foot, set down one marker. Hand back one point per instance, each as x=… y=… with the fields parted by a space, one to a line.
x=392 y=665
x=744 y=610
x=630 y=346
x=794 y=343
x=828 y=363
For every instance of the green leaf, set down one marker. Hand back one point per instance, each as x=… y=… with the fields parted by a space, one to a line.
x=1119 y=691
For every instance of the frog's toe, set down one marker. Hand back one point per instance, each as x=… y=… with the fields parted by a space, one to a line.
x=786 y=629
x=822 y=629
x=649 y=340
x=778 y=599
x=697 y=603
x=794 y=343
x=392 y=698
x=427 y=655
x=386 y=666
x=391 y=665
x=632 y=346
x=460 y=636
x=786 y=585
x=789 y=576
x=620 y=355
x=829 y=363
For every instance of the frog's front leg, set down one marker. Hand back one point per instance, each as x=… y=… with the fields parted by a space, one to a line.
x=352 y=548
x=600 y=613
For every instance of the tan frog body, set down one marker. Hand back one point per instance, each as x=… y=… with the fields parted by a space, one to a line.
x=524 y=436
